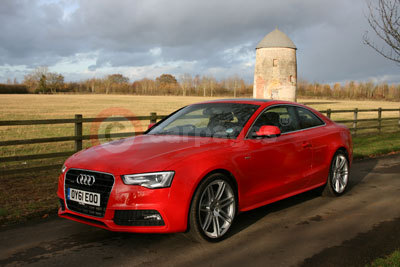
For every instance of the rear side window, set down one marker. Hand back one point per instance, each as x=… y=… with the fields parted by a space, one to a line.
x=308 y=119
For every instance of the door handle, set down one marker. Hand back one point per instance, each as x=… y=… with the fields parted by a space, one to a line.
x=306 y=145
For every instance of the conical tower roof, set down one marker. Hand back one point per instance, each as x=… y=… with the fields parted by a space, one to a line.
x=276 y=38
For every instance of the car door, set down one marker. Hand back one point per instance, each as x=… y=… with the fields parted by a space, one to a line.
x=313 y=129
x=276 y=166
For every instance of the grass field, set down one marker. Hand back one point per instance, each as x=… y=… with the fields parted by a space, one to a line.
x=19 y=107
x=33 y=194
x=16 y=107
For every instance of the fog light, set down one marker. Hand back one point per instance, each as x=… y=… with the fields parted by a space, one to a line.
x=156 y=217
x=138 y=218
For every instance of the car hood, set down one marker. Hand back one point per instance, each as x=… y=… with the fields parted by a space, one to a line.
x=145 y=153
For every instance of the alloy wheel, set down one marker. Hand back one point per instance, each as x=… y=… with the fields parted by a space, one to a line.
x=216 y=208
x=340 y=174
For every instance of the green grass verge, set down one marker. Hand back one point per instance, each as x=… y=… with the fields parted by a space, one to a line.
x=393 y=260
x=26 y=196
x=375 y=145
x=3 y=212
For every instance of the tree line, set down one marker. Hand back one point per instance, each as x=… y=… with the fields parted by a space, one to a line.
x=350 y=90
x=41 y=81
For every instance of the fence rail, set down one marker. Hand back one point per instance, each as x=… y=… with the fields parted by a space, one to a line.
x=79 y=137
x=355 y=120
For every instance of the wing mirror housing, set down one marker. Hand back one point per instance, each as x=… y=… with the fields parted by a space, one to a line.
x=268 y=131
x=150 y=125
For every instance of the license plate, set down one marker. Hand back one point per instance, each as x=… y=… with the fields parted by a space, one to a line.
x=84 y=197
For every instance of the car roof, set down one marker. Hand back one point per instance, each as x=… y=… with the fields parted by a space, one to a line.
x=262 y=102
x=255 y=101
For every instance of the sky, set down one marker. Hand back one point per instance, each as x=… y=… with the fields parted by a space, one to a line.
x=83 y=39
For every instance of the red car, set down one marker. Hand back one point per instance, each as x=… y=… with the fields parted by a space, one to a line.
x=199 y=167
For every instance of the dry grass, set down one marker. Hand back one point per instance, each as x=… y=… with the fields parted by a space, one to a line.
x=65 y=106
x=18 y=107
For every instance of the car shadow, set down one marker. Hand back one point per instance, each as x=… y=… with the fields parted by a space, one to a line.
x=248 y=218
x=359 y=170
x=357 y=174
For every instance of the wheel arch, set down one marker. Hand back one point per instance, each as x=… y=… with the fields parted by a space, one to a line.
x=345 y=151
x=228 y=174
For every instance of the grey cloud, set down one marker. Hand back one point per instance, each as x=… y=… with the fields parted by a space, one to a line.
x=327 y=33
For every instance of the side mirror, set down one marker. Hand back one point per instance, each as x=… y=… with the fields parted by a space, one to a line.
x=150 y=125
x=268 y=131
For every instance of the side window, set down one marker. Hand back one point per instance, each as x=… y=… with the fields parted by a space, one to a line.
x=283 y=117
x=308 y=119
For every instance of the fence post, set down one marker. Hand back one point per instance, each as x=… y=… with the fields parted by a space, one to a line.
x=380 y=119
x=355 y=121
x=78 y=132
x=328 y=113
x=399 y=119
x=153 y=117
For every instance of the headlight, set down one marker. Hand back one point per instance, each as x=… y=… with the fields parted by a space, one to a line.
x=150 y=180
x=63 y=168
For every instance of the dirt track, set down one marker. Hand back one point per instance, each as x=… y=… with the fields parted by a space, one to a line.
x=304 y=230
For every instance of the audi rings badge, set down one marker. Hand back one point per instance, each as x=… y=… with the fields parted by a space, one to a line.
x=85 y=179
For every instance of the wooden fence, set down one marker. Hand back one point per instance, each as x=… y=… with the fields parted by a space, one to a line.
x=78 y=137
x=356 y=120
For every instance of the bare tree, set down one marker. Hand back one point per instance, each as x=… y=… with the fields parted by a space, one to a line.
x=32 y=79
x=212 y=84
x=384 y=20
x=234 y=83
x=117 y=78
x=55 y=82
x=197 y=83
x=204 y=84
x=186 y=82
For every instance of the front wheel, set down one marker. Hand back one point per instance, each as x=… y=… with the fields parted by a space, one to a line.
x=213 y=209
x=338 y=175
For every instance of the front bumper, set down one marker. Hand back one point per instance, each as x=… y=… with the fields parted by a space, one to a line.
x=171 y=204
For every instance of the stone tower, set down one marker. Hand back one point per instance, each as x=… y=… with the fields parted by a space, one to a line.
x=275 y=75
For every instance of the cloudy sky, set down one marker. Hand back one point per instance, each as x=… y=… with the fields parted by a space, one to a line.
x=145 y=38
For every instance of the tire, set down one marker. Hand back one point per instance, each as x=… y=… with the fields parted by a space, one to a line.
x=213 y=209
x=338 y=178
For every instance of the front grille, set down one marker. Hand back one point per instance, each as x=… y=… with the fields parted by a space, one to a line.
x=103 y=185
x=138 y=218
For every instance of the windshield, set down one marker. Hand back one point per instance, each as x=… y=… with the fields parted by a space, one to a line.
x=223 y=120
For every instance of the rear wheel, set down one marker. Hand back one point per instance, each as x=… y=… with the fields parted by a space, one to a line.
x=338 y=175
x=213 y=209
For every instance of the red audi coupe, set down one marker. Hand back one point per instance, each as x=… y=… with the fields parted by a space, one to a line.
x=195 y=170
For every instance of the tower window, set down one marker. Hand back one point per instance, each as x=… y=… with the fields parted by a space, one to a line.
x=275 y=63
